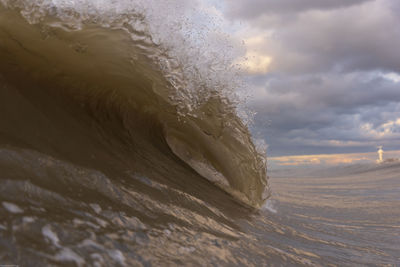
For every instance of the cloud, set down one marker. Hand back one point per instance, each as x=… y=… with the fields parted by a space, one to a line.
x=331 y=159
x=327 y=113
x=250 y=9
x=325 y=159
x=325 y=75
x=357 y=38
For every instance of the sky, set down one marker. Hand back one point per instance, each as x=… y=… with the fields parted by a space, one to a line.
x=329 y=160
x=324 y=75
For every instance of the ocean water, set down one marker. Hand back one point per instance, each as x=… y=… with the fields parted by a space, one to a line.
x=122 y=146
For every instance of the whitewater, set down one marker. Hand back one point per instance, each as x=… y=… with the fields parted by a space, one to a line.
x=123 y=143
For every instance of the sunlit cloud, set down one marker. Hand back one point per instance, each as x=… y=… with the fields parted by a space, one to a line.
x=330 y=159
x=392 y=76
x=255 y=63
x=387 y=129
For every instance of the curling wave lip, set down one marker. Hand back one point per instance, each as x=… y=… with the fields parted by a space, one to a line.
x=113 y=68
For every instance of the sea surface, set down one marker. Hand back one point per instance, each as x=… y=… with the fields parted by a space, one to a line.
x=123 y=143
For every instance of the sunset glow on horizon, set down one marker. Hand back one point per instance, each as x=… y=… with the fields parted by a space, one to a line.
x=330 y=159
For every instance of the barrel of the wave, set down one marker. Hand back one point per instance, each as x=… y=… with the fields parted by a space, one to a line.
x=222 y=153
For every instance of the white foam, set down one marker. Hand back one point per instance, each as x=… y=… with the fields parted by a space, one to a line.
x=98 y=260
x=91 y=243
x=269 y=206
x=167 y=232
x=50 y=235
x=95 y=207
x=184 y=250
x=28 y=219
x=78 y=222
x=101 y=222
x=66 y=254
x=117 y=256
x=13 y=208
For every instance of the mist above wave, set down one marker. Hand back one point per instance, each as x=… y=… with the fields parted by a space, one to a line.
x=181 y=37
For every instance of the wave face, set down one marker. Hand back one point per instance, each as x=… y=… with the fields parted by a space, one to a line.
x=104 y=82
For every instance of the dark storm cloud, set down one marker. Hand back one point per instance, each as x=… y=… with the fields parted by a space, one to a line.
x=363 y=37
x=250 y=9
x=327 y=89
x=345 y=40
x=336 y=113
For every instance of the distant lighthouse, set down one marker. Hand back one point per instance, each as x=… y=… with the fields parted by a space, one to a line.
x=380 y=155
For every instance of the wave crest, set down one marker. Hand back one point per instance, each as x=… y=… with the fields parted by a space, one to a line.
x=120 y=60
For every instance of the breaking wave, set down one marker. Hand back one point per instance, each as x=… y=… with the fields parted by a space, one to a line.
x=121 y=77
